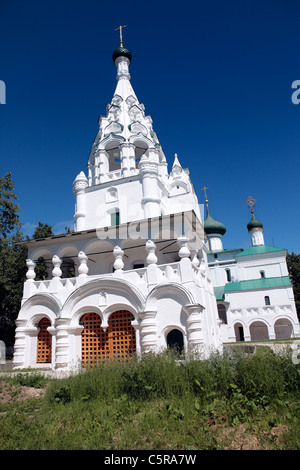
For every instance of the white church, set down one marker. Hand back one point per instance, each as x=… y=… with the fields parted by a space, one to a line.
x=143 y=270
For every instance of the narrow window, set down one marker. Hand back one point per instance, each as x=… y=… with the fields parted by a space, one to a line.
x=115 y=218
x=228 y=274
x=222 y=313
x=267 y=300
x=262 y=274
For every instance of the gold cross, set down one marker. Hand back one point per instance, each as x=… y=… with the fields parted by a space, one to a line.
x=121 y=37
x=251 y=203
x=204 y=189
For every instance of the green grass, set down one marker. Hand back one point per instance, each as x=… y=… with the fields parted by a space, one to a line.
x=157 y=402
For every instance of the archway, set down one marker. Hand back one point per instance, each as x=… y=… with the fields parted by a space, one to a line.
x=239 y=332
x=258 y=331
x=175 y=341
x=283 y=328
x=116 y=341
x=44 y=342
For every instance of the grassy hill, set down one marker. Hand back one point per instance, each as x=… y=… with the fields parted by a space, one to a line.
x=232 y=401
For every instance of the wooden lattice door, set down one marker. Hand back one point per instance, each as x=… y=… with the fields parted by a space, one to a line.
x=44 y=342
x=117 y=341
x=121 y=334
x=94 y=340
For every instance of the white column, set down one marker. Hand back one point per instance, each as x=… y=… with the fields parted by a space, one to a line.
x=151 y=200
x=184 y=251
x=194 y=326
x=152 y=274
x=148 y=331
x=127 y=157
x=151 y=257
x=30 y=275
x=79 y=186
x=83 y=268
x=20 y=343
x=103 y=167
x=56 y=271
x=62 y=343
x=195 y=259
x=118 y=264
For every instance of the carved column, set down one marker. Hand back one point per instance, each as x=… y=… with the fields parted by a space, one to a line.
x=83 y=268
x=30 y=275
x=56 y=271
x=152 y=274
x=151 y=196
x=20 y=343
x=79 y=186
x=151 y=257
x=148 y=331
x=194 y=326
x=62 y=343
x=118 y=254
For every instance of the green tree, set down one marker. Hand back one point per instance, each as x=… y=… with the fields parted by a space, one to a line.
x=9 y=217
x=12 y=259
x=42 y=231
x=293 y=263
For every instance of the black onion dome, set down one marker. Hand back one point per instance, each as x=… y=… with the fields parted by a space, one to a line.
x=121 y=52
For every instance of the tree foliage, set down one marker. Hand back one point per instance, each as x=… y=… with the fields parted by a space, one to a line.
x=293 y=262
x=12 y=259
x=42 y=231
x=9 y=217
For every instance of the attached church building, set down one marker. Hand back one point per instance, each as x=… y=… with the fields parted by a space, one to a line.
x=142 y=271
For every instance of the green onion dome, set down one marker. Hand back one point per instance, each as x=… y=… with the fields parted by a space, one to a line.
x=121 y=52
x=254 y=223
x=212 y=226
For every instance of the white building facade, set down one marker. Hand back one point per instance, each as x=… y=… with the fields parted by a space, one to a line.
x=139 y=273
x=252 y=287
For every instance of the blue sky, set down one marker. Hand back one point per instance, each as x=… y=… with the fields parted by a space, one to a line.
x=215 y=77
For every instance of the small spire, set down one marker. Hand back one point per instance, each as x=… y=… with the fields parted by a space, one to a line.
x=254 y=223
x=121 y=36
x=206 y=200
x=176 y=161
x=251 y=203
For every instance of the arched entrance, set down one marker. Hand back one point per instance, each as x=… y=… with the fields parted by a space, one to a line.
x=117 y=341
x=239 y=332
x=283 y=328
x=175 y=341
x=258 y=331
x=44 y=342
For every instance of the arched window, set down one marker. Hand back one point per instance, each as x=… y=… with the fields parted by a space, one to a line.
x=267 y=300
x=115 y=218
x=111 y=194
x=113 y=151
x=228 y=274
x=175 y=341
x=222 y=313
x=262 y=274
